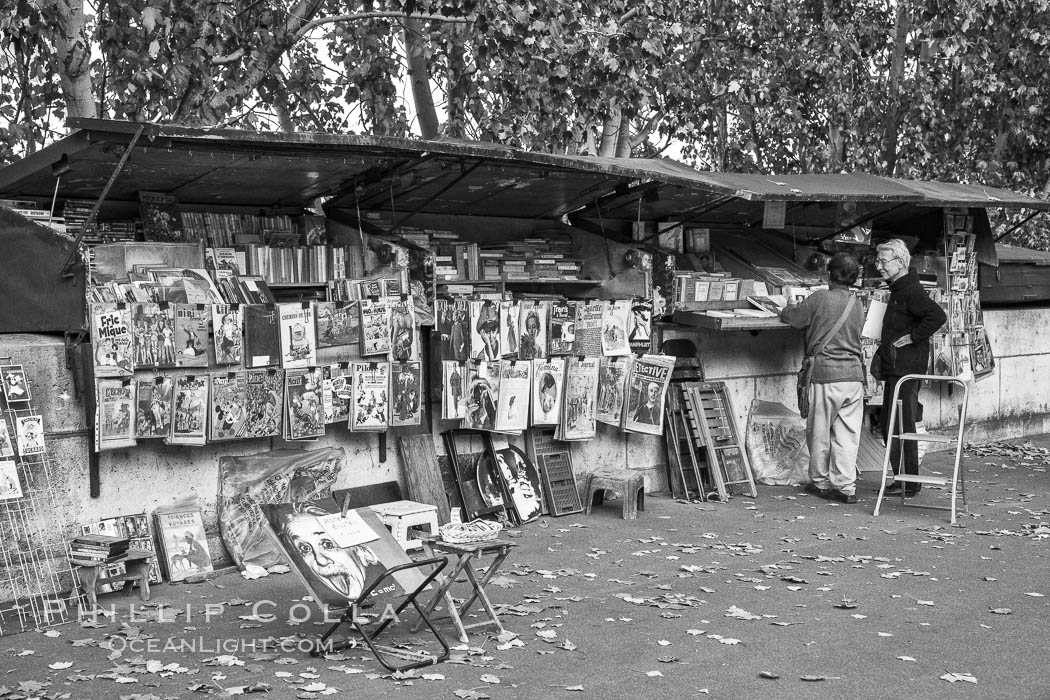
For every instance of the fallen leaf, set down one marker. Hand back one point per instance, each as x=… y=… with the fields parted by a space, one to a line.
x=955 y=677
x=489 y=678
x=905 y=658
x=59 y=665
x=471 y=695
x=432 y=677
x=574 y=688
x=768 y=674
x=924 y=602
x=813 y=678
x=1001 y=611
x=653 y=674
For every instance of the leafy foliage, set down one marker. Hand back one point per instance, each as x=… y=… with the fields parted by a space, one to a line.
x=954 y=90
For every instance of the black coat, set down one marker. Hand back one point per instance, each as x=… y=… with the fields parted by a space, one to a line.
x=910 y=311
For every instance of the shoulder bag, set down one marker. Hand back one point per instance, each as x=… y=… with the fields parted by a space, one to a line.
x=805 y=374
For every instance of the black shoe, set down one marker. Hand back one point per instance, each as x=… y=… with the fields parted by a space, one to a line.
x=894 y=489
x=912 y=491
x=816 y=491
x=844 y=497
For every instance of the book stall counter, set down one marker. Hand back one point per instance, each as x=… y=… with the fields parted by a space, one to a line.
x=699 y=319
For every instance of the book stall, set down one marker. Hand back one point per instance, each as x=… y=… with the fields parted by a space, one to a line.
x=530 y=319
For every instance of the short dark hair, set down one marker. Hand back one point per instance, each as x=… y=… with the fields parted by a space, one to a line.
x=843 y=269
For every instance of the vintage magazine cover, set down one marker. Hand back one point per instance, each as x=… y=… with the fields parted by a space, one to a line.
x=7 y=448
x=16 y=387
x=190 y=412
x=263 y=403
x=30 y=431
x=304 y=407
x=614 y=328
x=942 y=359
x=113 y=340
x=640 y=328
x=406 y=393
x=548 y=376
x=10 y=486
x=154 y=329
x=581 y=397
x=515 y=390
x=561 y=332
x=453 y=327
x=587 y=341
x=532 y=319
x=370 y=410
x=484 y=330
x=114 y=413
x=646 y=390
x=262 y=336
x=183 y=544
x=508 y=328
x=981 y=357
x=338 y=323
x=228 y=323
x=482 y=394
x=161 y=219
x=375 y=327
x=612 y=381
x=298 y=339
x=403 y=346
x=338 y=383
x=153 y=397
x=453 y=376
x=228 y=399
x=191 y=334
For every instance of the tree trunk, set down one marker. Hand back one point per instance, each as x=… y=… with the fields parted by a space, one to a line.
x=891 y=126
x=73 y=54
x=623 y=139
x=419 y=78
x=460 y=84
x=610 y=132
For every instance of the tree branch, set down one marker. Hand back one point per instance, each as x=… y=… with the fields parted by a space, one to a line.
x=231 y=58
x=354 y=17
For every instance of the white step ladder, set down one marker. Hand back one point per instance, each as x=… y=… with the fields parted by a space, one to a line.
x=958 y=484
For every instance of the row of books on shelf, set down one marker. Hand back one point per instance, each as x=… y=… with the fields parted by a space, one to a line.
x=313 y=264
x=29 y=210
x=691 y=288
x=294 y=404
x=530 y=258
x=183 y=286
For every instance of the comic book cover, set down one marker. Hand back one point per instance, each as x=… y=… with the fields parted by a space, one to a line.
x=453 y=328
x=10 y=486
x=304 y=407
x=406 y=393
x=228 y=323
x=615 y=319
x=114 y=413
x=298 y=339
x=561 y=332
x=30 y=430
x=371 y=388
x=647 y=385
x=484 y=330
x=532 y=319
x=154 y=330
x=161 y=218
x=482 y=394
x=338 y=323
x=640 y=327
x=453 y=374
x=16 y=387
x=183 y=543
x=403 y=345
x=338 y=383
x=375 y=327
x=262 y=336
x=7 y=448
x=508 y=328
x=113 y=340
x=190 y=410
x=612 y=379
x=515 y=390
x=228 y=401
x=191 y=334
x=548 y=376
x=153 y=397
x=263 y=403
x=587 y=340
x=581 y=395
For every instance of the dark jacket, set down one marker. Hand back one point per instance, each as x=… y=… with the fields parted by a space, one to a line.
x=910 y=311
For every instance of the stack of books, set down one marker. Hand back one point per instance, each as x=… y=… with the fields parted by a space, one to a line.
x=98 y=549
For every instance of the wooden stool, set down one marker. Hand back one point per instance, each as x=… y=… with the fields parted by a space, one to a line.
x=136 y=568
x=401 y=515
x=631 y=486
x=465 y=555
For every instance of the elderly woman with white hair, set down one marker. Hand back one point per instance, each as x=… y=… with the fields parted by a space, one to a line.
x=911 y=318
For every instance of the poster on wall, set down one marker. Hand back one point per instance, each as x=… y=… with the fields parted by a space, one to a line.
x=581 y=394
x=227 y=410
x=370 y=410
x=533 y=324
x=484 y=330
x=406 y=391
x=615 y=322
x=228 y=322
x=612 y=377
x=547 y=379
x=647 y=385
x=453 y=374
x=30 y=435
x=263 y=403
x=192 y=322
x=112 y=340
x=515 y=390
x=298 y=339
x=482 y=395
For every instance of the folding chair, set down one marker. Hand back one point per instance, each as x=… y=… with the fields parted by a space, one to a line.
x=348 y=560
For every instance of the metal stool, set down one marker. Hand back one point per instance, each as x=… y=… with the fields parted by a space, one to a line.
x=630 y=486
